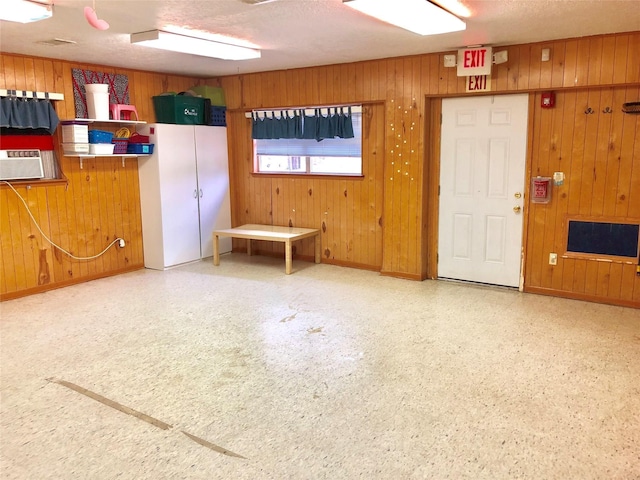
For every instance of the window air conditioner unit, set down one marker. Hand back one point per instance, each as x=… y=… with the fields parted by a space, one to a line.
x=20 y=164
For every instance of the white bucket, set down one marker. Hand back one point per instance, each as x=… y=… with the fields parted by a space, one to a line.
x=97 y=100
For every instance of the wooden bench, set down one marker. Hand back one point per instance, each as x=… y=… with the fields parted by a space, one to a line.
x=286 y=235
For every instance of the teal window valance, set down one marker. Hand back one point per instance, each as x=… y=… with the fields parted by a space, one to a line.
x=274 y=125
x=28 y=113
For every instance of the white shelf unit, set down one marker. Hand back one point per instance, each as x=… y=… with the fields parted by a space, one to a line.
x=82 y=156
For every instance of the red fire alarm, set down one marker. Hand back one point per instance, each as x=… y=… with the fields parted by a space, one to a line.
x=548 y=100
x=541 y=189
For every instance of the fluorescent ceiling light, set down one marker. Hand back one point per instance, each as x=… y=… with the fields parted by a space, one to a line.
x=454 y=6
x=25 y=11
x=418 y=16
x=193 y=45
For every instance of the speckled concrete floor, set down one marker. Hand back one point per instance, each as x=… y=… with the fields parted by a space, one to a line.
x=329 y=373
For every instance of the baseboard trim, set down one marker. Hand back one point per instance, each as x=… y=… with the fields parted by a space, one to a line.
x=311 y=258
x=66 y=283
x=581 y=296
x=359 y=266
x=404 y=275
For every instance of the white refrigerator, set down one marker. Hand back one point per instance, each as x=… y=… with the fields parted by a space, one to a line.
x=184 y=193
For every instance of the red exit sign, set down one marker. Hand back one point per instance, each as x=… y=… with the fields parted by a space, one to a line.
x=475 y=61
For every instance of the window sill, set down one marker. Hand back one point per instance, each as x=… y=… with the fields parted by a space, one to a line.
x=45 y=182
x=309 y=175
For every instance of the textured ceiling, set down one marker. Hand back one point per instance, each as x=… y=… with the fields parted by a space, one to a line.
x=298 y=33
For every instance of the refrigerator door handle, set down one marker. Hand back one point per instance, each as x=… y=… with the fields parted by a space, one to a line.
x=200 y=193
x=195 y=194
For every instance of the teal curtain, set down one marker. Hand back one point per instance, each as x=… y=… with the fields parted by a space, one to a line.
x=28 y=113
x=310 y=126
x=272 y=127
x=335 y=124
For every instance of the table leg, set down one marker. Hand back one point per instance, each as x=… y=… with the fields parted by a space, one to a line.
x=249 y=246
x=287 y=257
x=216 y=249
x=318 y=245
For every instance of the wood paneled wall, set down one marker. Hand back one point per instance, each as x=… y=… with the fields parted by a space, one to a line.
x=398 y=159
x=597 y=146
x=383 y=221
x=83 y=213
x=351 y=205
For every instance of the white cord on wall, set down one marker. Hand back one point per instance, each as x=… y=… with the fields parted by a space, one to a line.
x=69 y=254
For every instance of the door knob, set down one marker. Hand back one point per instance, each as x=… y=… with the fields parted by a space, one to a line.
x=517 y=208
x=517 y=195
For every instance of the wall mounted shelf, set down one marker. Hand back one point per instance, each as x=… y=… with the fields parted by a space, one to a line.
x=117 y=122
x=82 y=156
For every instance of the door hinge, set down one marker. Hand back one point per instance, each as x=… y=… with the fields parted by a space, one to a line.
x=437 y=258
x=438 y=190
x=440 y=119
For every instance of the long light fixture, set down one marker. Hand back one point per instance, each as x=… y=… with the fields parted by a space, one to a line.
x=25 y=11
x=195 y=46
x=418 y=16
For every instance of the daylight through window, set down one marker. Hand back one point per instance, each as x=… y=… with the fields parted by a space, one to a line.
x=331 y=156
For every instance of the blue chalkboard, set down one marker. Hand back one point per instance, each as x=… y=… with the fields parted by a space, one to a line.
x=619 y=239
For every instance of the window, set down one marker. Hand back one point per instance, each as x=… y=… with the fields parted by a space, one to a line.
x=331 y=156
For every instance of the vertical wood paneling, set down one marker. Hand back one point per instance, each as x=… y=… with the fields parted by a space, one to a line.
x=524 y=68
x=573 y=143
x=632 y=124
x=414 y=174
x=94 y=206
x=514 y=67
x=588 y=154
x=582 y=63
x=535 y=72
x=549 y=163
x=381 y=223
x=558 y=52
x=600 y=178
x=614 y=152
x=595 y=65
x=620 y=58
x=633 y=59
x=570 y=63
x=607 y=60
x=563 y=164
x=603 y=143
x=536 y=216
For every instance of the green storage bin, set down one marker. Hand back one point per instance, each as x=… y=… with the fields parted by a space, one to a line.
x=179 y=109
x=215 y=94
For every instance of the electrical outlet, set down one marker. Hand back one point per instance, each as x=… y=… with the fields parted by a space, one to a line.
x=553 y=259
x=121 y=243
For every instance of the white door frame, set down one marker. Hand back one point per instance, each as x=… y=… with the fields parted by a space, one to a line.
x=436 y=210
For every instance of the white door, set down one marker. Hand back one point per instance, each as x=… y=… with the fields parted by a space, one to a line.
x=213 y=186
x=482 y=167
